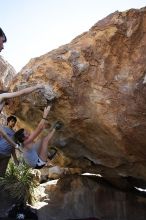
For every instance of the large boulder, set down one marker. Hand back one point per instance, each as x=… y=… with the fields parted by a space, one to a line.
x=96 y=85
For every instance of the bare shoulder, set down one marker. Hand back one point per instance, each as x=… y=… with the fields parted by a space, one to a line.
x=27 y=145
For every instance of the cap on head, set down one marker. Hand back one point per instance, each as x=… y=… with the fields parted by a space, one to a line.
x=2 y=34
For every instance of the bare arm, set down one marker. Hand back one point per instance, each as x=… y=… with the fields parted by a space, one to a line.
x=39 y=128
x=13 y=144
x=20 y=92
x=15 y=157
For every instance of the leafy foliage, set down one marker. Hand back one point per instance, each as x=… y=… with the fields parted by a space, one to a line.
x=19 y=182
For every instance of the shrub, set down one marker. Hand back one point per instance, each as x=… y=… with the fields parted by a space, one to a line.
x=19 y=183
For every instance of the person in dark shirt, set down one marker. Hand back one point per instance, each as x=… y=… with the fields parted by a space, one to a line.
x=6 y=150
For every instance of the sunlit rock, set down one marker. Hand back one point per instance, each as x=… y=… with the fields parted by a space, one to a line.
x=7 y=73
x=82 y=197
x=96 y=85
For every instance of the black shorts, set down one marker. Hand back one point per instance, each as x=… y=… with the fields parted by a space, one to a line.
x=40 y=164
x=39 y=167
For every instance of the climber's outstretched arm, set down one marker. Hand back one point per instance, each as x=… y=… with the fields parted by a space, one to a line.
x=39 y=128
x=25 y=91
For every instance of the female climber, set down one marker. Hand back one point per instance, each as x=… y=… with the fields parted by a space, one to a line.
x=35 y=154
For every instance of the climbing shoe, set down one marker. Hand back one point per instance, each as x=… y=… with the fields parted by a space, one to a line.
x=52 y=152
x=58 y=125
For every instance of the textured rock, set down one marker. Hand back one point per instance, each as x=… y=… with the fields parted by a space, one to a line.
x=7 y=73
x=56 y=172
x=97 y=87
x=81 y=197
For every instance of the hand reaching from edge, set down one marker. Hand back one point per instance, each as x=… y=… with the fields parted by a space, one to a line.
x=58 y=125
x=46 y=111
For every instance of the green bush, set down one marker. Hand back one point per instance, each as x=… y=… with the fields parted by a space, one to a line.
x=19 y=183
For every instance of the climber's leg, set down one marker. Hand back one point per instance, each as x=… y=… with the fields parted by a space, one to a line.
x=43 y=149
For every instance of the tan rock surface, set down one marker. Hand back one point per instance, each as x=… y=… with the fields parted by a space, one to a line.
x=97 y=87
x=7 y=73
x=81 y=197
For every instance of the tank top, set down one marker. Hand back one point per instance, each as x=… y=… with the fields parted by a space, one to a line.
x=30 y=156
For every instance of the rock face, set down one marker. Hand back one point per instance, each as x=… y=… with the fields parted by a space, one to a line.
x=7 y=73
x=77 y=197
x=97 y=86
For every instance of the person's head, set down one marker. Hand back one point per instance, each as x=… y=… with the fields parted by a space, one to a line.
x=21 y=135
x=3 y=39
x=11 y=121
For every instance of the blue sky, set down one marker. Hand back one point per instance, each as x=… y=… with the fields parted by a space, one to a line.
x=35 y=27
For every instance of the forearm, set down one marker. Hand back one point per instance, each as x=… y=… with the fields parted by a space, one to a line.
x=41 y=124
x=15 y=157
x=43 y=119
x=28 y=90
x=20 y=92
x=40 y=127
x=13 y=144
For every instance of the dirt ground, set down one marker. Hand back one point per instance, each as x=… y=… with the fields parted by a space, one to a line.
x=5 y=204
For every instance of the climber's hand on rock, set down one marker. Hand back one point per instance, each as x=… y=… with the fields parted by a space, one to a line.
x=46 y=111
